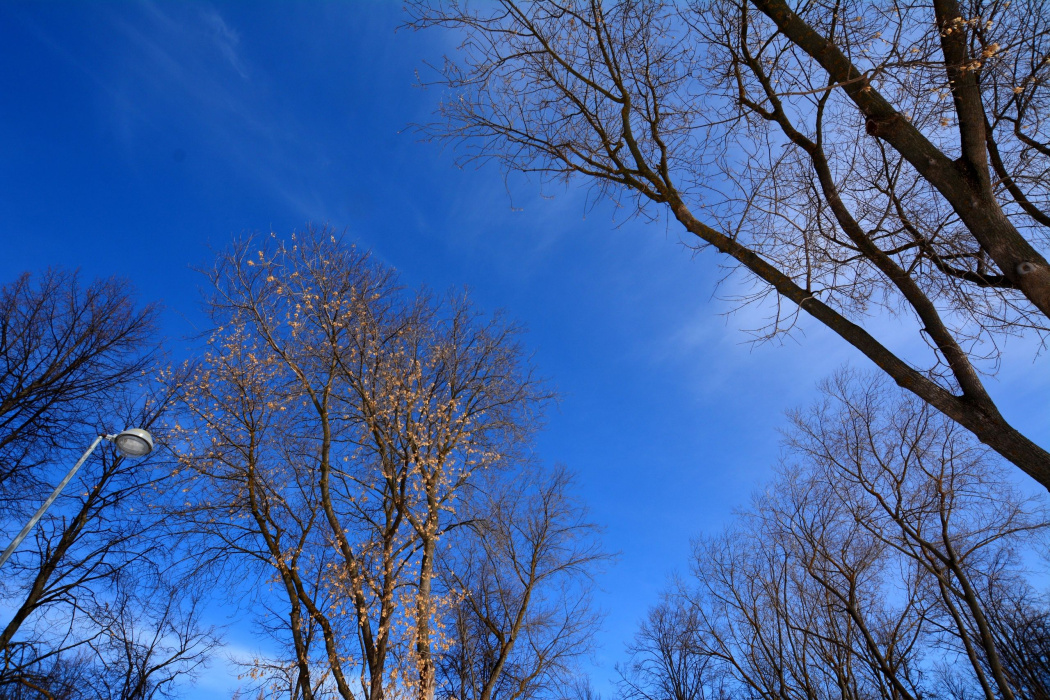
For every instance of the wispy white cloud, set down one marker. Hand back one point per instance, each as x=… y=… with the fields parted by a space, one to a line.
x=226 y=40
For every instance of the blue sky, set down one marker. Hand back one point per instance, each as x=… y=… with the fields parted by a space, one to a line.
x=136 y=137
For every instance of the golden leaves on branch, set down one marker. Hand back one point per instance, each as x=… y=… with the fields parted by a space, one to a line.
x=334 y=422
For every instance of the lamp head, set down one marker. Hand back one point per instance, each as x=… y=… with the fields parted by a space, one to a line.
x=134 y=442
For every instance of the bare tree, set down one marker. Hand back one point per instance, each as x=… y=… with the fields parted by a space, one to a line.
x=74 y=365
x=65 y=349
x=65 y=676
x=140 y=645
x=802 y=610
x=883 y=561
x=916 y=483
x=332 y=428
x=857 y=158
x=520 y=573
x=665 y=662
x=152 y=639
x=1021 y=623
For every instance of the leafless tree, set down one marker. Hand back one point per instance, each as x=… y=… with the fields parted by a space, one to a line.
x=65 y=349
x=520 y=574
x=665 y=662
x=916 y=483
x=331 y=428
x=860 y=159
x=137 y=649
x=65 y=676
x=74 y=365
x=1020 y=620
x=152 y=639
x=889 y=540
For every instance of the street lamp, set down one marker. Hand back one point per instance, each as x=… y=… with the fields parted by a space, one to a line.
x=132 y=442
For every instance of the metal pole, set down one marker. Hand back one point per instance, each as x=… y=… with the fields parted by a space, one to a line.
x=51 y=499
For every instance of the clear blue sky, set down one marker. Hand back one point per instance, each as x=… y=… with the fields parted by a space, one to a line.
x=136 y=136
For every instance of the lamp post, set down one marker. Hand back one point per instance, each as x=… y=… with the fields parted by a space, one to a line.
x=132 y=442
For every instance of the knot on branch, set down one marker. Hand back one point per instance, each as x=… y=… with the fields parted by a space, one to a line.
x=1034 y=280
x=1026 y=268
